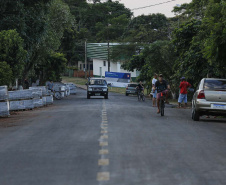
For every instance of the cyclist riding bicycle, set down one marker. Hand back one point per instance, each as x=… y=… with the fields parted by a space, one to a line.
x=140 y=88
x=162 y=87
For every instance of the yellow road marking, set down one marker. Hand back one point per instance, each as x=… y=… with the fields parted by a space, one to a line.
x=104 y=125
x=104 y=131
x=104 y=137
x=103 y=152
x=103 y=143
x=103 y=162
x=103 y=176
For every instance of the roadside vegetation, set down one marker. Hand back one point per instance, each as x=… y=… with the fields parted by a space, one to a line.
x=40 y=39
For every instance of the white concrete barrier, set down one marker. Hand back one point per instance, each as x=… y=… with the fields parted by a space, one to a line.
x=3 y=93
x=4 y=109
x=20 y=95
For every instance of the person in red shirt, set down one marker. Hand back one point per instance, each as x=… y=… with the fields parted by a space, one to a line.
x=184 y=85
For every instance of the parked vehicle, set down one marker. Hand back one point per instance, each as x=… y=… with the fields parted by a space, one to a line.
x=131 y=89
x=97 y=87
x=209 y=98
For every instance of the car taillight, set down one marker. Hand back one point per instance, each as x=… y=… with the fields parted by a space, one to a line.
x=201 y=95
x=127 y=88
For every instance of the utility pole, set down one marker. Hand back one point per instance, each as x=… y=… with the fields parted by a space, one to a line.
x=109 y=62
x=86 y=59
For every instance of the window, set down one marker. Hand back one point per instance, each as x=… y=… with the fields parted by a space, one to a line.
x=91 y=67
x=215 y=84
x=132 y=85
x=104 y=63
x=98 y=82
x=80 y=66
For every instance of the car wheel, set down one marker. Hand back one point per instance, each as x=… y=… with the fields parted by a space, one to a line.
x=127 y=94
x=192 y=111
x=88 y=96
x=106 y=96
x=195 y=115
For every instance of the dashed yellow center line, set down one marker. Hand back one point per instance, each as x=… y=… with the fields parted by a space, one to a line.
x=103 y=125
x=103 y=162
x=104 y=137
x=103 y=152
x=104 y=131
x=103 y=143
x=103 y=176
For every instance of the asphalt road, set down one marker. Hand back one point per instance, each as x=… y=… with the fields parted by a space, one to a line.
x=118 y=141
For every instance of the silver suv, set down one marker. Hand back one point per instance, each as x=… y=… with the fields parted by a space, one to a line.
x=209 y=98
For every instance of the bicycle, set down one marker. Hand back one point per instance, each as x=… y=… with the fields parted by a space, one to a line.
x=162 y=104
x=56 y=94
x=141 y=96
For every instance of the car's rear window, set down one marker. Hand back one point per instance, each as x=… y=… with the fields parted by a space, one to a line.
x=132 y=85
x=215 y=85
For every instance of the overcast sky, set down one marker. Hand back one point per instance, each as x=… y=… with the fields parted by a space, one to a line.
x=164 y=8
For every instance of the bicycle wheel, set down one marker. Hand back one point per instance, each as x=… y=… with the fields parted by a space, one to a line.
x=143 y=98
x=58 y=95
x=138 y=97
x=162 y=106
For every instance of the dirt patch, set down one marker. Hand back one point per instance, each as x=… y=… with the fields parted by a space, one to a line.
x=17 y=118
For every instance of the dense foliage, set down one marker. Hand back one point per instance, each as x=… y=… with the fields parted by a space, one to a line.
x=193 y=44
x=39 y=38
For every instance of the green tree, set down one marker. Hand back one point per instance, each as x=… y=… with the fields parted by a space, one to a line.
x=214 y=36
x=59 y=19
x=54 y=66
x=147 y=29
x=113 y=31
x=158 y=57
x=12 y=51
x=190 y=61
x=6 y=74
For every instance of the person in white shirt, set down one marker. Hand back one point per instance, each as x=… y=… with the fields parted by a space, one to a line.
x=154 y=92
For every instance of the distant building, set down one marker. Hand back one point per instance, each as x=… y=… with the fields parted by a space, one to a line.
x=98 y=53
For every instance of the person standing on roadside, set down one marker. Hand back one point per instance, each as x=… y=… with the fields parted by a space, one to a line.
x=154 y=91
x=183 y=92
x=26 y=84
x=50 y=85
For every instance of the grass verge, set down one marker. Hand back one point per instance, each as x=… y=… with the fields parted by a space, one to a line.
x=82 y=81
x=78 y=81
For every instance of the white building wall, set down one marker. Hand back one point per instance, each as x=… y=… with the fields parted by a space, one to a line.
x=97 y=63
x=113 y=67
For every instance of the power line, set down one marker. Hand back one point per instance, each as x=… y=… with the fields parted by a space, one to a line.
x=153 y=5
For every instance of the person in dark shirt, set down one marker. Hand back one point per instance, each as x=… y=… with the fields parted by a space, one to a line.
x=50 y=85
x=162 y=87
x=26 y=84
x=140 y=87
